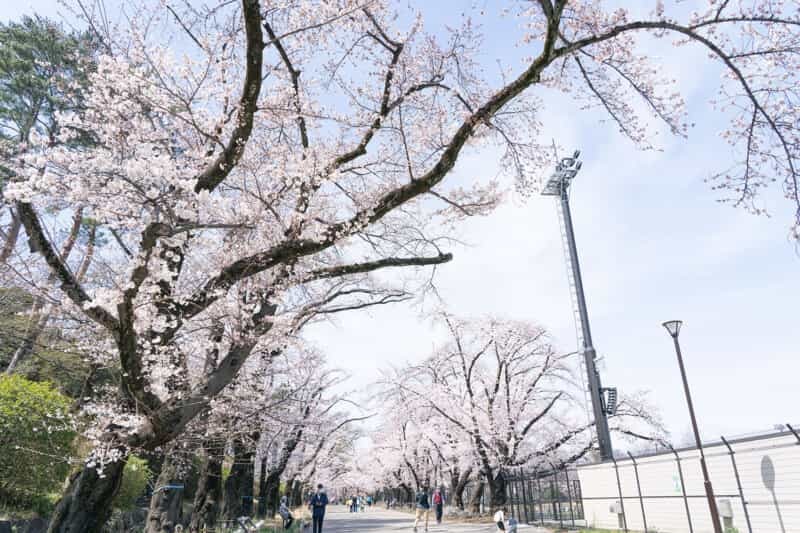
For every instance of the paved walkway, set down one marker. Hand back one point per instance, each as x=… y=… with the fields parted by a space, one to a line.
x=377 y=520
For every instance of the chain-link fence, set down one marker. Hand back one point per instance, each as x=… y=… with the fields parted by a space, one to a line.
x=552 y=497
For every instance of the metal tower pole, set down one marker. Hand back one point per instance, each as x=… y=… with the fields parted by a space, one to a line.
x=589 y=354
x=558 y=185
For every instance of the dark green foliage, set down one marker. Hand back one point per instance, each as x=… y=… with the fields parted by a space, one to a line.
x=36 y=436
x=135 y=478
x=42 y=71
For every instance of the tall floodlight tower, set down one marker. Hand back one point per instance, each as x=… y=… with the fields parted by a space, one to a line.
x=603 y=400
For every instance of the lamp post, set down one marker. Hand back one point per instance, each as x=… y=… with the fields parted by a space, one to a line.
x=674 y=328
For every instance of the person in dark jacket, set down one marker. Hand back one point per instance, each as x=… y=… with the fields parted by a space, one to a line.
x=317 y=506
x=423 y=507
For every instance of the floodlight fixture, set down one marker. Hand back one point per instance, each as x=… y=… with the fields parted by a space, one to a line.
x=673 y=327
x=610 y=400
x=566 y=170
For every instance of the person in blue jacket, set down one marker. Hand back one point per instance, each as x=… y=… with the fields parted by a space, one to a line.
x=317 y=505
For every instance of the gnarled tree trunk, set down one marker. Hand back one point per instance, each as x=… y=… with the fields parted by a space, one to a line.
x=208 y=498
x=296 y=496
x=458 y=482
x=497 y=490
x=166 y=510
x=475 y=498
x=238 y=500
x=262 y=488
x=272 y=492
x=86 y=504
x=409 y=494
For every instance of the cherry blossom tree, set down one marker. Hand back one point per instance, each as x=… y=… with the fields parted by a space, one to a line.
x=257 y=161
x=509 y=397
x=397 y=457
x=278 y=406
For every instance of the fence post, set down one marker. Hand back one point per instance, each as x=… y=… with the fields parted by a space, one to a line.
x=639 y=490
x=569 y=493
x=531 y=492
x=621 y=501
x=794 y=432
x=541 y=500
x=683 y=487
x=556 y=501
x=738 y=484
x=513 y=493
x=524 y=494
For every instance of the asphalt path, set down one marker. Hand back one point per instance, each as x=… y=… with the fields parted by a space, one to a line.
x=339 y=520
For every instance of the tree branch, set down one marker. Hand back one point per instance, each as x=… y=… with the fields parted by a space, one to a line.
x=39 y=243
x=248 y=103
x=370 y=266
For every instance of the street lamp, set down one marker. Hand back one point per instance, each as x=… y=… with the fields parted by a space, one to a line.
x=674 y=328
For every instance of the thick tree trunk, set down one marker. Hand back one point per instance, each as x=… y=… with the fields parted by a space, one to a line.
x=458 y=483
x=166 y=509
x=272 y=492
x=475 y=499
x=86 y=504
x=296 y=498
x=262 y=488
x=238 y=500
x=497 y=490
x=409 y=494
x=208 y=497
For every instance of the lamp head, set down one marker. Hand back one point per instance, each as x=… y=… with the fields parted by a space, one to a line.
x=673 y=327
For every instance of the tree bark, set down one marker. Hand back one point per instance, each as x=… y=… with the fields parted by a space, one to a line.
x=86 y=504
x=11 y=237
x=475 y=499
x=497 y=490
x=409 y=494
x=262 y=488
x=238 y=499
x=458 y=483
x=208 y=497
x=296 y=497
x=166 y=509
x=272 y=492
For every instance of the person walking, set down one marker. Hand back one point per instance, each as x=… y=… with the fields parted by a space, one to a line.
x=438 y=505
x=500 y=519
x=317 y=505
x=423 y=507
x=512 y=524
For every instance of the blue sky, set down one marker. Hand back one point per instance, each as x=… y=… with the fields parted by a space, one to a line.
x=653 y=243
